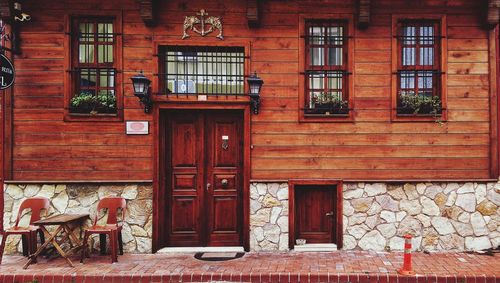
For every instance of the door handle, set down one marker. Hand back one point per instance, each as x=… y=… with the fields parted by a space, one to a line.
x=208 y=186
x=329 y=214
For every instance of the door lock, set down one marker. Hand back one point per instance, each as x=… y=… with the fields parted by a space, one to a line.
x=208 y=186
x=329 y=214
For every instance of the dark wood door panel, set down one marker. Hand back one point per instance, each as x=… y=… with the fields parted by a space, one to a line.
x=185 y=229
x=184 y=142
x=185 y=187
x=225 y=212
x=225 y=183
x=224 y=166
x=315 y=214
x=184 y=215
x=226 y=142
x=185 y=181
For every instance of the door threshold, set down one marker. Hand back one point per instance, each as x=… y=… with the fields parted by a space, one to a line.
x=315 y=248
x=201 y=250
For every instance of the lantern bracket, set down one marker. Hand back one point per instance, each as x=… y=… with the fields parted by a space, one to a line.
x=255 y=103
x=255 y=83
x=142 y=90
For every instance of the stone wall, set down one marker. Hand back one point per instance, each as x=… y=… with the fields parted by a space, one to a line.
x=269 y=217
x=441 y=216
x=81 y=198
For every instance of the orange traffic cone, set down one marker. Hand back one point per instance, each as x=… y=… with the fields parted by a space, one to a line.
x=407 y=269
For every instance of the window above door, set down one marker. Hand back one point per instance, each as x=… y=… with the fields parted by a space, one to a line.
x=202 y=70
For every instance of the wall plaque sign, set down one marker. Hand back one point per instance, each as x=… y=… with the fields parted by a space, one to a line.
x=202 y=25
x=137 y=127
x=7 y=72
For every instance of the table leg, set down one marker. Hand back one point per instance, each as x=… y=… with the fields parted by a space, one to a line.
x=75 y=242
x=71 y=233
x=65 y=236
x=61 y=252
x=59 y=249
x=42 y=247
x=68 y=237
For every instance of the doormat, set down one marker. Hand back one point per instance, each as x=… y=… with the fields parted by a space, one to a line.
x=218 y=256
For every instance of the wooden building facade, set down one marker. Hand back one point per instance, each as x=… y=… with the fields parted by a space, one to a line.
x=376 y=118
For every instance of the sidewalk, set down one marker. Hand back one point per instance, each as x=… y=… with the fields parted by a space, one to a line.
x=343 y=266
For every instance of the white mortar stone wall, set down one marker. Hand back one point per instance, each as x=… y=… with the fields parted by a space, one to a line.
x=441 y=216
x=81 y=199
x=269 y=217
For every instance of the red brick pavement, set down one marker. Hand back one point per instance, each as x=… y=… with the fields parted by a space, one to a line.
x=343 y=266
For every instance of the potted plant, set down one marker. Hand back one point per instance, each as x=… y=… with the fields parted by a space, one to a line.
x=328 y=102
x=88 y=103
x=417 y=104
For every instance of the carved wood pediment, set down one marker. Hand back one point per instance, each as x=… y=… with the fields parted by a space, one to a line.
x=363 y=13
x=493 y=13
x=147 y=11
x=6 y=11
x=253 y=16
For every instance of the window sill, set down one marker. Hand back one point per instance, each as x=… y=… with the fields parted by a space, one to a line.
x=326 y=118
x=418 y=117
x=77 y=117
x=203 y=99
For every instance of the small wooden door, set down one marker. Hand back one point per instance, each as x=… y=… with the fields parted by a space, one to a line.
x=315 y=214
x=204 y=178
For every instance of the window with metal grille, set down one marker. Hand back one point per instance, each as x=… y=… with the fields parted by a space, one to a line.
x=94 y=69
x=419 y=70
x=210 y=70
x=326 y=71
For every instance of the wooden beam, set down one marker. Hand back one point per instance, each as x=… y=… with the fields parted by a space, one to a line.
x=493 y=56
x=147 y=11
x=253 y=13
x=493 y=14
x=363 y=13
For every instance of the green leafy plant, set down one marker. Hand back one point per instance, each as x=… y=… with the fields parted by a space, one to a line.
x=417 y=104
x=327 y=101
x=86 y=102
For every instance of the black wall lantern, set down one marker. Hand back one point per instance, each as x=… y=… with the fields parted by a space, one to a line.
x=141 y=90
x=255 y=83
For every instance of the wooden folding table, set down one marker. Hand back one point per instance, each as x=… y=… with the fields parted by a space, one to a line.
x=66 y=224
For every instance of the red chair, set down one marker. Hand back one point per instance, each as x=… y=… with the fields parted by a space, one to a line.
x=112 y=228
x=36 y=205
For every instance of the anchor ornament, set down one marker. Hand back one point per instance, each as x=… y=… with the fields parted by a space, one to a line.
x=191 y=23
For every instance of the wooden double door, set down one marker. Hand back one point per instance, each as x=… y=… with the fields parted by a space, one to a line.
x=204 y=159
